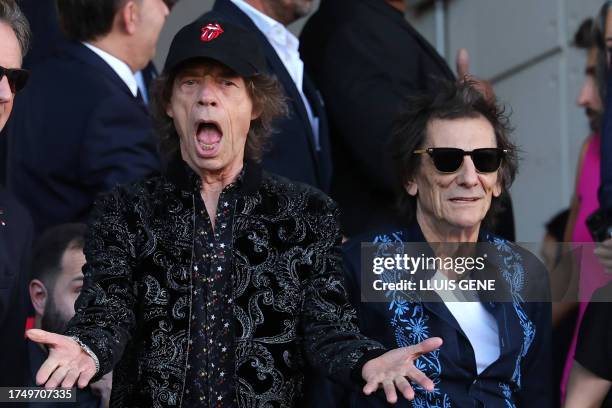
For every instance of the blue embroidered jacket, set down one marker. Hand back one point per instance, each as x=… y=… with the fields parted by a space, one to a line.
x=520 y=377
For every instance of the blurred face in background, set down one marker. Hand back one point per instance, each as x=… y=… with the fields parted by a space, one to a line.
x=153 y=14
x=54 y=299
x=287 y=11
x=59 y=308
x=589 y=98
x=10 y=57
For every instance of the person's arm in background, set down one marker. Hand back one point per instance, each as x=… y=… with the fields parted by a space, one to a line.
x=591 y=374
x=585 y=389
x=566 y=270
x=575 y=203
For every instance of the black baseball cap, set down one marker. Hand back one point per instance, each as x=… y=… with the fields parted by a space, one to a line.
x=212 y=36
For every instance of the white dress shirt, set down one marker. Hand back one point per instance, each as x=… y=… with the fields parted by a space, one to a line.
x=121 y=68
x=287 y=47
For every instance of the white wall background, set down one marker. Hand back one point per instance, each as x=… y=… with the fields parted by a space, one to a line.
x=524 y=47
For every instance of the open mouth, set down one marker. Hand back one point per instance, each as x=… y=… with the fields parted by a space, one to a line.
x=208 y=135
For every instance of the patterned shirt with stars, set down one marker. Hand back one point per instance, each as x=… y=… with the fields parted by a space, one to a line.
x=210 y=369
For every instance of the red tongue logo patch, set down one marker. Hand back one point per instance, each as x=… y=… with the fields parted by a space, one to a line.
x=211 y=31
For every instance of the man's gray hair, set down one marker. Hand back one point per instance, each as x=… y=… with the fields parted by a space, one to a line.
x=11 y=14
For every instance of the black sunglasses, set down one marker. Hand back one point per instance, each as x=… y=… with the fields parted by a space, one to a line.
x=17 y=78
x=450 y=159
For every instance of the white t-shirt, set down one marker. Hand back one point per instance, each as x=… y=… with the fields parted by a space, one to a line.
x=477 y=323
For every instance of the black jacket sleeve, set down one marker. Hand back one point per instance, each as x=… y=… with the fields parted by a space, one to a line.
x=105 y=317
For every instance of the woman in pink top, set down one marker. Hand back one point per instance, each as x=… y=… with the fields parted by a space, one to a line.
x=592 y=275
x=585 y=201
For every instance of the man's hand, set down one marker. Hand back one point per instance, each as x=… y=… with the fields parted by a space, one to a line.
x=67 y=362
x=392 y=369
x=604 y=253
x=463 y=73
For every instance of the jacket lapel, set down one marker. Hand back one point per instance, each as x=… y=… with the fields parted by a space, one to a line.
x=323 y=156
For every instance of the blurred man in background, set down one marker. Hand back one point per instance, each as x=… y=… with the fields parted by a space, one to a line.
x=82 y=127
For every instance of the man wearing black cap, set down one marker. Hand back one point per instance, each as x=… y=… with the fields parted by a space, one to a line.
x=216 y=283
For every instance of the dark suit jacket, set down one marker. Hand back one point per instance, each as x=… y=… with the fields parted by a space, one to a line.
x=15 y=244
x=292 y=154
x=76 y=131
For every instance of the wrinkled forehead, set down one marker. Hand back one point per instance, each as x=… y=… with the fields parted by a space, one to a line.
x=466 y=133
x=204 y=66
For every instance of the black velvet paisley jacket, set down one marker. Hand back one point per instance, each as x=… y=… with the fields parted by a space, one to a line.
x=290 y=305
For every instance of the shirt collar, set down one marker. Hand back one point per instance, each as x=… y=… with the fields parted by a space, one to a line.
x=272 y=29
x=121 y=68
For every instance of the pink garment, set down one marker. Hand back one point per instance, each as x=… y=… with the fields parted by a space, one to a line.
x=592 y=275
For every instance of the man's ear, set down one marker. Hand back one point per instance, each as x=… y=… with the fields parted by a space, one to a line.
x=38 y=296
x=256 y=112
x=129 y=16
x=411 y=188
x=497 y=188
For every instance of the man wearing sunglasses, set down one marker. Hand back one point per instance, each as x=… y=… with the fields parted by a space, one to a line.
x=15 y=223
x=454 y=158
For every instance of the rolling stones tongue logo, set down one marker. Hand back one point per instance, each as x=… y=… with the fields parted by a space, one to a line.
x=211 y=31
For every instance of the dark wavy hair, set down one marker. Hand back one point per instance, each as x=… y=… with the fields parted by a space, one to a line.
x=86 y=20
x=11 y=14
x=585 y=35
x=448 y=100
x=264 y=90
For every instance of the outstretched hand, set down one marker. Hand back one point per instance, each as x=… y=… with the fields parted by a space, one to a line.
x=67 y=363
x=394 y=368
